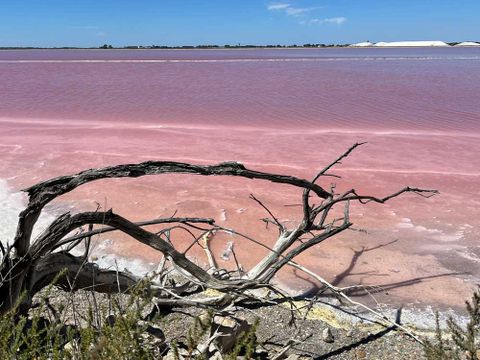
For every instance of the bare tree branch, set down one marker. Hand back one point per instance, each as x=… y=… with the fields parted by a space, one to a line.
x=42 y=193
x=104 y=230
x=337 y=161
x=31 y=266
x=66 y=223
x=281 y=228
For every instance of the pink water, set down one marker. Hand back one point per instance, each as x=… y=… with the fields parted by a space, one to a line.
x=281 y=110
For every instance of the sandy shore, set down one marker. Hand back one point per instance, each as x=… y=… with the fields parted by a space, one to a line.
x=419 y=251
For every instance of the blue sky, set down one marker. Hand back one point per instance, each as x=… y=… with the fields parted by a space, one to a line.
x=193 y=22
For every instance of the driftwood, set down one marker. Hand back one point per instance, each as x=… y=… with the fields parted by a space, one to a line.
x=27 y=267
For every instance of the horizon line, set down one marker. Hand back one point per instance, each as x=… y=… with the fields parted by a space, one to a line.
x=199 y=46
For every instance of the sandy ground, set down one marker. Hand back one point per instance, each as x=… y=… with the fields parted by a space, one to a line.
x=417 y=251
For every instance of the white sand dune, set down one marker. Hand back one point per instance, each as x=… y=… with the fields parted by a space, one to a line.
x=411 y=44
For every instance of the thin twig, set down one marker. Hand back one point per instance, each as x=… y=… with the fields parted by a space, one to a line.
x=275 y=220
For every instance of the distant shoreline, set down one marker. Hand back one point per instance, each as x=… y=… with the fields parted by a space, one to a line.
x=215 y=47
x=179 y=48
x=235 y=49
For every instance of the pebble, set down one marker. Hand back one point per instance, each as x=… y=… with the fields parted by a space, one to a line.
x=361 y=354
x=293 y=357
x=327 y=335
x=350 y=333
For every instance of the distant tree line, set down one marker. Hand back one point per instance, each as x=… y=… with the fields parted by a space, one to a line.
x=226 y=46
x=201 y=46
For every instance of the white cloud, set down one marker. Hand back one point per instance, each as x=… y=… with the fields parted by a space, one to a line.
x=278 y=6
x=290 y=10
x=335 y=20
x=302 y=13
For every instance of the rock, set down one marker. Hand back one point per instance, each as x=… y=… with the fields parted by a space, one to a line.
x=216 y=356
x=361 y=354
x=470 y=356
x=293 y=357
x=261 y=353
x=327 y=335
x=156 y=332
x=230 y=329
x=153 y=330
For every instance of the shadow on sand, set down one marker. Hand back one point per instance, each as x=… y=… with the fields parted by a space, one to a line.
x=364 y=290
x=361 y=291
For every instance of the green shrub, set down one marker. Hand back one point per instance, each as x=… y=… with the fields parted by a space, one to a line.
x=102 y=329
x=465 y=342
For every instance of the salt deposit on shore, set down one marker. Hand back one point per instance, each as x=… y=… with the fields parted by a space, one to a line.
x=411 y=44
x=11 y=204
x=468 y=43
x=363 y=44
x=435 y=43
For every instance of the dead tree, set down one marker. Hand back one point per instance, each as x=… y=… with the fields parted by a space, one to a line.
x=27 y=267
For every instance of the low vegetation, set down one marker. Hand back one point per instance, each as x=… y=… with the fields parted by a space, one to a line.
x=457 y=342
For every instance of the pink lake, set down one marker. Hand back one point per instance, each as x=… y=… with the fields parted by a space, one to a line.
x=289 y=111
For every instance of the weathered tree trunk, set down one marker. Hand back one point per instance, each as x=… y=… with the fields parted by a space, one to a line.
x=27 y=267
